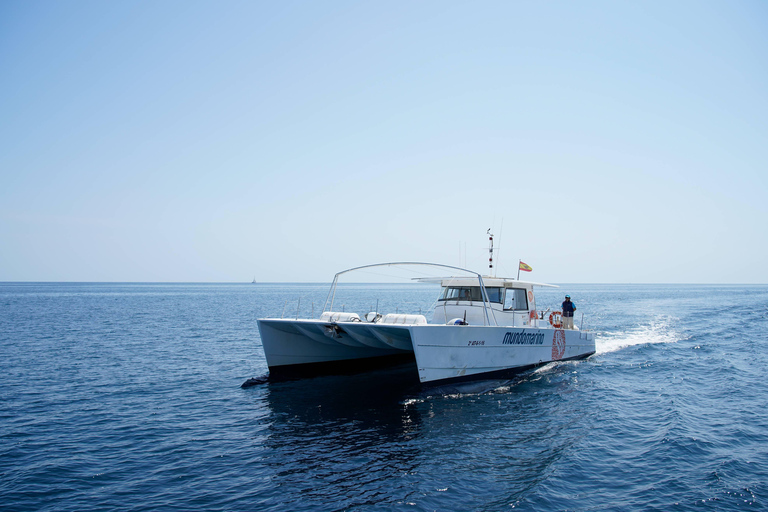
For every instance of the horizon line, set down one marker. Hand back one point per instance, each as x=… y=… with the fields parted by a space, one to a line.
x=362 y=282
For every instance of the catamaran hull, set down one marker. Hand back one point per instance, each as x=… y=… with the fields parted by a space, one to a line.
x=441 y=352
x=291 y=342
x=446 y=352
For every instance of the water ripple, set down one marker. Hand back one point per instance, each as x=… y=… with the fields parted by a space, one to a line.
x=128 y=397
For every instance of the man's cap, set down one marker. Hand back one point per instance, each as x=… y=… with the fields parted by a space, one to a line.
x=567 y=296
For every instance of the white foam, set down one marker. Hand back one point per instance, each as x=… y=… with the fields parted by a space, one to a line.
x=658 y=331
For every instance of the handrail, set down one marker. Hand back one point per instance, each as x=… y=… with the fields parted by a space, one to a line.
x=486 y=301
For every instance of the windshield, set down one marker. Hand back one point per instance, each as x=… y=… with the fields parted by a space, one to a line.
x=471 y=293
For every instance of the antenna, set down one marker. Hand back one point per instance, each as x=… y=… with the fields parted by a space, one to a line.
x=498 y=249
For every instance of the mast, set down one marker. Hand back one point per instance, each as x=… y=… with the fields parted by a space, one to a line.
x=490 y=251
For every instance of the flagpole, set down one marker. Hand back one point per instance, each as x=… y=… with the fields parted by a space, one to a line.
x=518 y=269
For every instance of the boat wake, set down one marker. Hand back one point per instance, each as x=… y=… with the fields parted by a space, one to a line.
x=660 y=330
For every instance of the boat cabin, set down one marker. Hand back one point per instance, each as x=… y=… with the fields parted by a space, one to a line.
x=509 y=302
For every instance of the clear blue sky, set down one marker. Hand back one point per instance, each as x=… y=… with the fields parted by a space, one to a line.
x=218 y=141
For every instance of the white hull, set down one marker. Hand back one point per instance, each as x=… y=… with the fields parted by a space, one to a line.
x=297 y=342
x=442 y=352
x=449 y=352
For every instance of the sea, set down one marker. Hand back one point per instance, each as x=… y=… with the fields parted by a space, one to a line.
x=128 y=397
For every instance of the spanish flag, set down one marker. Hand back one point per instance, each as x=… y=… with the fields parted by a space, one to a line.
x=525 y=267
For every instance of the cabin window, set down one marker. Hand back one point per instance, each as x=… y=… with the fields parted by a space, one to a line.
x=471 y=293
x=516 y=299
x=495 y=294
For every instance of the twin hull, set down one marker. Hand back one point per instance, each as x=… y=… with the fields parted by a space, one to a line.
x=442 y=352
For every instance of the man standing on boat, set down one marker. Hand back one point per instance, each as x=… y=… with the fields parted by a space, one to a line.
x=568 y=309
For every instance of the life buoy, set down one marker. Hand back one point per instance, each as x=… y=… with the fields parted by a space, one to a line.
x=556 y=319
x=530 y=296
x=533 y=314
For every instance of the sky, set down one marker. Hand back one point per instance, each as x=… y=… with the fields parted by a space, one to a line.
x=187 y=141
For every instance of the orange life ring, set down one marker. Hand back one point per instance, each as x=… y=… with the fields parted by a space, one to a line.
x=530 y=296
x=533 y=314
x=556 y=319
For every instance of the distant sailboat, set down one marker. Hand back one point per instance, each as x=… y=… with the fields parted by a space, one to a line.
x=254 y=280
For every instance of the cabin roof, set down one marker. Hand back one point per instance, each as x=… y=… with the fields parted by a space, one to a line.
x=488 y=281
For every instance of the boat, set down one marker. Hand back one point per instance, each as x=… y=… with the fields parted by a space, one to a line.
x=482 y=327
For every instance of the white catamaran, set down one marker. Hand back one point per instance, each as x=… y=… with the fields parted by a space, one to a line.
x=481 y=327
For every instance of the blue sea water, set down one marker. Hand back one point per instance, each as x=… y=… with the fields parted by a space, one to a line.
x=128 y=397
